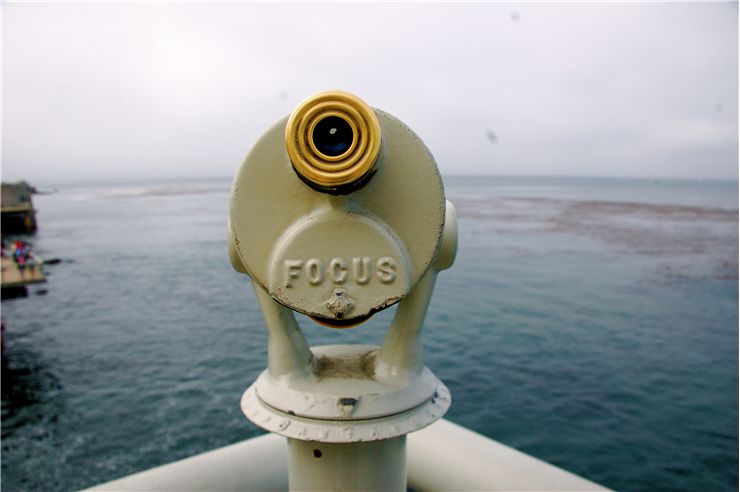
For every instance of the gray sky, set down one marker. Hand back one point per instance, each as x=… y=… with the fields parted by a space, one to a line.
x=133 y=90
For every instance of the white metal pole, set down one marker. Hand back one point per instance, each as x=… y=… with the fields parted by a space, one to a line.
x=359 y=466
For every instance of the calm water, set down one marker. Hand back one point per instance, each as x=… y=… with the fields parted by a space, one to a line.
x=591 y=323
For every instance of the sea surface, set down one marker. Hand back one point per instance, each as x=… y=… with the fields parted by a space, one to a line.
x=592 y=323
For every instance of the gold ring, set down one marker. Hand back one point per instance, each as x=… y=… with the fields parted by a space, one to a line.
x=351 y=155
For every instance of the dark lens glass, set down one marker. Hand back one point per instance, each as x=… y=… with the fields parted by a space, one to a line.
x=332 y=136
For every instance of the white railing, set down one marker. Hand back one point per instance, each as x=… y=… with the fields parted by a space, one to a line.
x=441 y=457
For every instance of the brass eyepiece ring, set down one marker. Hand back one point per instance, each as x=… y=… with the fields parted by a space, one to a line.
x=333 y=139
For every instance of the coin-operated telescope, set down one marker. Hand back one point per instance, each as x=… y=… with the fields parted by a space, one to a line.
x=338 y=212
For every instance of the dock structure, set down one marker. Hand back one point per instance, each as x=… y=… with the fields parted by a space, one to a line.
x=18 y=214
x=17 y=276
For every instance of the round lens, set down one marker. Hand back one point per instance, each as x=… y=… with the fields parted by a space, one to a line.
x=332 y=136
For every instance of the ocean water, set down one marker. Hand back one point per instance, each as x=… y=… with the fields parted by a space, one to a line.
x=592 y=323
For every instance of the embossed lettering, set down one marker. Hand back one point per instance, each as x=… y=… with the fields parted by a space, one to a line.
x=338 y=270
x=291 y=268
x=315 y=271
x=361 y=269
x=386 y=270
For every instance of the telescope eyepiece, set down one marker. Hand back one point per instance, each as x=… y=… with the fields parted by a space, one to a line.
x=332 y=136
x=333 y=141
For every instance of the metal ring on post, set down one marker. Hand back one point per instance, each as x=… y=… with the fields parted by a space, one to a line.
x=333 y=140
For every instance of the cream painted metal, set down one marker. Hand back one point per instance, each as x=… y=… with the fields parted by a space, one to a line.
x=339 y=255
x=441 y=457
x=362 y=466
x=301 y=245
x=351 y=393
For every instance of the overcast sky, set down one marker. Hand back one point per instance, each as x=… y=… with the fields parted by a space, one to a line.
x=133 y=90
